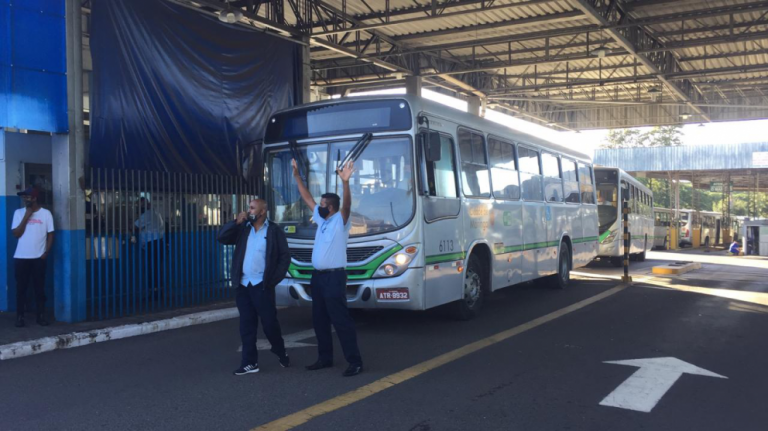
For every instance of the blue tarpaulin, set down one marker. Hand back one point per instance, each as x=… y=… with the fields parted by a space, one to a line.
x=33 y=56
x=176 y=90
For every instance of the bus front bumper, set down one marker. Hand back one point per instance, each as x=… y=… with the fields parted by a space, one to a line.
x=294 y=292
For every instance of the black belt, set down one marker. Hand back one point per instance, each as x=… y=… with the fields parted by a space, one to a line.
x=322 y=271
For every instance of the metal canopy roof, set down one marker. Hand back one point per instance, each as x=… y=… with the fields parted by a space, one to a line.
x=742 y=164
x=572 y=64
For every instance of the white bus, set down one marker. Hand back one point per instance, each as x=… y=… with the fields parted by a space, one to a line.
x=613 y=187
x=662 y=221
x=447 y=206
x=708 y=222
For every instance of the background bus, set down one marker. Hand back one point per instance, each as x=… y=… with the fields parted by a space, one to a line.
x=613 y=187
x=708 y=221
x=662 y=221
x=447 y=206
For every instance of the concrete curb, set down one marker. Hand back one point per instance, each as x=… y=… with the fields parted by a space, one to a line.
x=78 y=339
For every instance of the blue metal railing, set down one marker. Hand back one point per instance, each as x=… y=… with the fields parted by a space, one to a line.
x=184 y=266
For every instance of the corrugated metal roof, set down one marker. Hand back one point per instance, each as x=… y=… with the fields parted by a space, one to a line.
x=683 y=158
x=719 y=60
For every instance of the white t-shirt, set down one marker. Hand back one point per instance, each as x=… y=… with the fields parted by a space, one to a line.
x=151 y=226
x=32 y=243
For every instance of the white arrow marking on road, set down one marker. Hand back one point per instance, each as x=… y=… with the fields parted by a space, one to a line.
x=291 y=340
x=643 y=389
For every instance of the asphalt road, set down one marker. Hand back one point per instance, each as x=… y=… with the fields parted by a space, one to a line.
x=551 y=377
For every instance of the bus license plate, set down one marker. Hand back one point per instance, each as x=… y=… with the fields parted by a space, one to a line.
x=398 y=294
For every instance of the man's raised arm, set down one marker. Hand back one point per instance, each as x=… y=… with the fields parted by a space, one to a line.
x=305 y=194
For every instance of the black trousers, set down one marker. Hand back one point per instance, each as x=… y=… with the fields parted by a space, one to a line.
x=30 y=273
x=254 y=303
x=329 y=307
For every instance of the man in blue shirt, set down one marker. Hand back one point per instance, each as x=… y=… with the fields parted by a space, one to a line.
x=259 y=263
x=329 y=278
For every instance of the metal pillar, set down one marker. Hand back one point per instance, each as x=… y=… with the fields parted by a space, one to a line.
x=69 y=199
x=413 y=85
x=725 y=223
x=476 y=106
x=625 y=217
x=306 y=72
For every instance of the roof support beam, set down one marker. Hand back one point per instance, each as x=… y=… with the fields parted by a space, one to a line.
x=436 y=16
x=605 y=14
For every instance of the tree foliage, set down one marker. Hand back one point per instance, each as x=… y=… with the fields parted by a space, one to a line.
x=659 y=136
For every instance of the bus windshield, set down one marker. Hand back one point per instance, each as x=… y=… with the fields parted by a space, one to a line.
x=607 y=199
x=382 y=186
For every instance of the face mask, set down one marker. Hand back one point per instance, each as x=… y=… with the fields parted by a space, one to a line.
x=323 y=211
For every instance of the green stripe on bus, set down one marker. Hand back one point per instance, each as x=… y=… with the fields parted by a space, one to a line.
x=369 y=268
x=585 y=239
x=438 y=258
x=605 y=235
x=537 y=245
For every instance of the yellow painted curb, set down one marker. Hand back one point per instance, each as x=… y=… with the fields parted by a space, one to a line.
x=673 y=269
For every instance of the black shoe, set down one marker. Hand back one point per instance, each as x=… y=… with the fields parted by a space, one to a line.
x=353 y=370
x=285 y=361
x=248 y=369
x=19 y=321
x=319 y=365
x=41 y=320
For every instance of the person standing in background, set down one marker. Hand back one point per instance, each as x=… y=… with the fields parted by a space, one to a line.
x=33 y=226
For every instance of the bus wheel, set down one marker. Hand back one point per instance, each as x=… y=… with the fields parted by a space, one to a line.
x=616 y=261
x=469 y=306
x=562 y=279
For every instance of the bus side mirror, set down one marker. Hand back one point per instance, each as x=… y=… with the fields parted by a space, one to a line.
x=432 y=146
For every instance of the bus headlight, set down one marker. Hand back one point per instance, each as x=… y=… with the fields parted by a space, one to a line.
x=397 y=263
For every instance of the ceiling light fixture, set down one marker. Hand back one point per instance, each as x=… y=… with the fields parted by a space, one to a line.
x=685 y=116
x=230 y=15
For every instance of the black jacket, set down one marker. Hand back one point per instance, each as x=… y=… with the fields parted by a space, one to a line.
x=278 y=256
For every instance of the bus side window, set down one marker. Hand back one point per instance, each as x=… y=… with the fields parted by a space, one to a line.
x=474 y=165
x=586 y=184
x=441 y=177
x=553 y=183
x=570 y=181
x=530 y=174
x=504 y=176
x=625 y=193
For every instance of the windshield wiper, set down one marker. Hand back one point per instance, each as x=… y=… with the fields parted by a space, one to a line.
x=357 y=150
x=301 y=161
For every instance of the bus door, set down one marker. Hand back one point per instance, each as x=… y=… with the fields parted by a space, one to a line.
x=442 y=217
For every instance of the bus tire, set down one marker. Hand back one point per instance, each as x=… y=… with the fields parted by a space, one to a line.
x=475 y=278
x=562 y=279
x=616 y=261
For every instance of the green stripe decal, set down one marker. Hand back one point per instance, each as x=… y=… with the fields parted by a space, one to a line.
x=369 y=268
x=605 y=235
x=585 y=239
x=445 y=257
x=537 y=245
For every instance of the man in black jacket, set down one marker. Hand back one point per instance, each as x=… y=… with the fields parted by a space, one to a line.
x=260 y=262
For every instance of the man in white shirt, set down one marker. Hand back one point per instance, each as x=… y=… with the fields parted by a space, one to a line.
x=33 y=226
x=151 y=229
x=329 y=278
